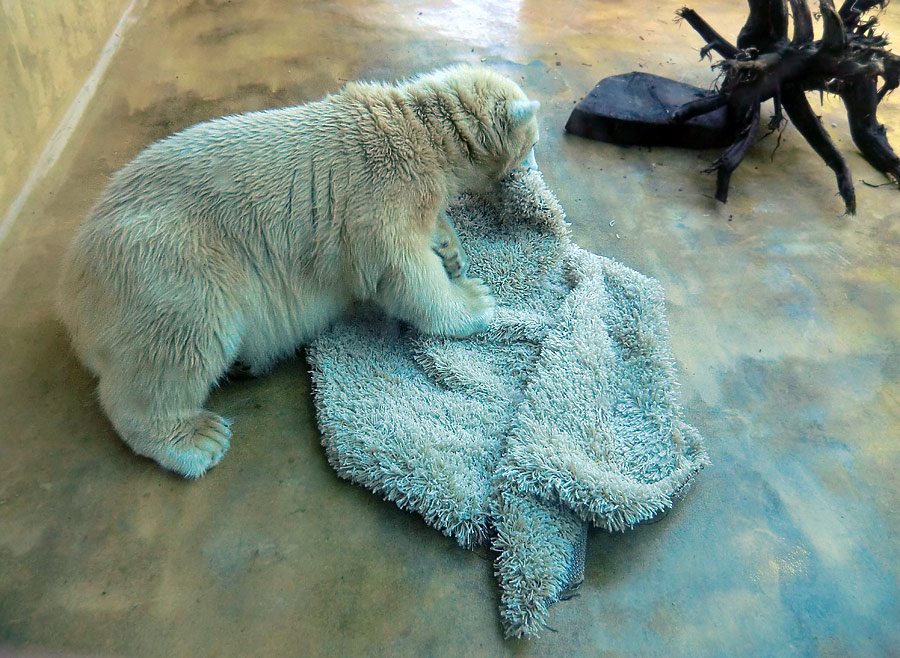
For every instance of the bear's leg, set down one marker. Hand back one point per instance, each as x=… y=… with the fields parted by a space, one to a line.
x=419 y=291
x=157 y=410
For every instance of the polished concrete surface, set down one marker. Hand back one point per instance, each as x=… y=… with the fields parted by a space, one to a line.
x=785 y=318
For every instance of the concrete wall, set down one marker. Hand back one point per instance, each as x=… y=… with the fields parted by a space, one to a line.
x=47 y=50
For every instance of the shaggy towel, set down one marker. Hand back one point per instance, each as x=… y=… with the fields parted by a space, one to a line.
x=564 y=413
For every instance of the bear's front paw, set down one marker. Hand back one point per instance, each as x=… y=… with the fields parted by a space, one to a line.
x=474 y=288
x=481 y=304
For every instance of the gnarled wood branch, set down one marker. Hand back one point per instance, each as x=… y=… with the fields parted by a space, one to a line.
x=848 y=59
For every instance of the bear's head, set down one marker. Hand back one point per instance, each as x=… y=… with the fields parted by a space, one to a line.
x=490 y=124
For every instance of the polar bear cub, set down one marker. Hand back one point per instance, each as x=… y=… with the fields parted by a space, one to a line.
x=241 y=238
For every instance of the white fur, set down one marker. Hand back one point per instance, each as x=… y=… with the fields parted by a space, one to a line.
x=243 y=237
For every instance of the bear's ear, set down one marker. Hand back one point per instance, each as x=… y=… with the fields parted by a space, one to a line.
x=522 y=111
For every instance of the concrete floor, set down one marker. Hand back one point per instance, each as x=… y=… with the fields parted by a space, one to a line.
x=784 y=316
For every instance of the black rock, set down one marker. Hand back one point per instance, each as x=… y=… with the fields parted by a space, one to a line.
x=635 y=108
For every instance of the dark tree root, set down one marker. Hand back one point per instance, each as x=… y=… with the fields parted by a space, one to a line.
x=714 y=40
x=803 y=23
x=734 y=154
x=852 y=10
x=861 y=100
x=765 y=26
x=765 y=63
x=700 y=106
x=805 y=120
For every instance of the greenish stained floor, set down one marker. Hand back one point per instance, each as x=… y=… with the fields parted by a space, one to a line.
x=785 y=318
